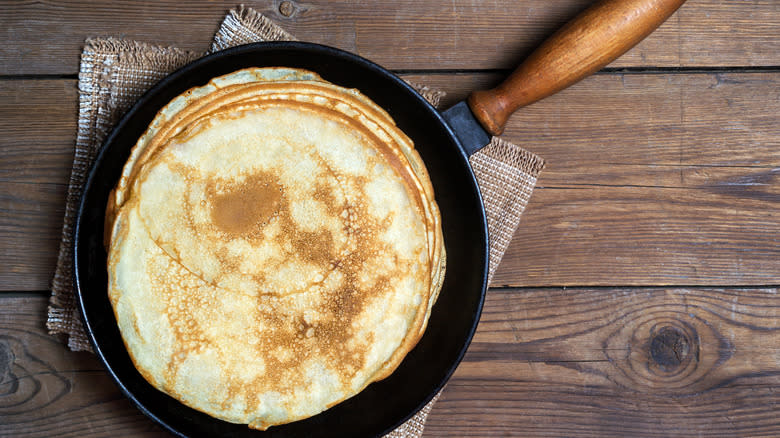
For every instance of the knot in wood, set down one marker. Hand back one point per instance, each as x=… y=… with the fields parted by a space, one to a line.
x=669 y=347
x=286 y=8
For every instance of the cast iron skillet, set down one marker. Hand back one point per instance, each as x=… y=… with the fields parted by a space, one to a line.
x=592 y=40
x=384 y=405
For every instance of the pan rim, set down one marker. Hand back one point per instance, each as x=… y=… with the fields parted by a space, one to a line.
x=103 y=154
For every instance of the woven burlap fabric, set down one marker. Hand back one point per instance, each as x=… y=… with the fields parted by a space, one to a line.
x=115 y=73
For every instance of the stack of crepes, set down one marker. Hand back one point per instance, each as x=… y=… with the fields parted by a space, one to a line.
x=274 y=247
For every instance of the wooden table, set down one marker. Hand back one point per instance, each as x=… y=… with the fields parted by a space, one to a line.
x=640 y=294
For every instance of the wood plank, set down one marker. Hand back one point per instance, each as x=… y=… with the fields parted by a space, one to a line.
x=618 y=362
x=553 y=362
x=46 y=390
x=38 y=122
x=30 y=229
x=400 y=35
x=38 y=126
x=645 y=235
x=652 y=179
x=726 y=119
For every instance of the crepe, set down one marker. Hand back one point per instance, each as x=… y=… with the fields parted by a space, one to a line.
x=274 y=247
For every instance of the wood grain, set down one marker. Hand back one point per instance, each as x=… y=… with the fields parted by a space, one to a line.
x=46 y=390
x=723 y=119
x=603 y=235
x=38 y=122
x=553 y=362
x=618 y=362
x=30 y=229
x=38 y=126
x=652 y=179
x=46 y=37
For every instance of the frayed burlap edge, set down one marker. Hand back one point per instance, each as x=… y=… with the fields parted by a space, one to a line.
x=244 y=26
x=506 y=174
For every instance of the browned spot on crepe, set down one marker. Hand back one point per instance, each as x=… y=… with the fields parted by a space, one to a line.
x=239 y=209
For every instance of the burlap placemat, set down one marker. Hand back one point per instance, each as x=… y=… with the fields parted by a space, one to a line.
x=114 y=73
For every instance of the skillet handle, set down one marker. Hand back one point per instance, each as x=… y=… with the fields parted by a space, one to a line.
x=590 y=41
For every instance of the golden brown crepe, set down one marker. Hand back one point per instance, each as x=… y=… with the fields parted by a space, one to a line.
x=274 y=247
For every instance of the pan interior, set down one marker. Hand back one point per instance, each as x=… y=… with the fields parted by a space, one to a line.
x=385 y=404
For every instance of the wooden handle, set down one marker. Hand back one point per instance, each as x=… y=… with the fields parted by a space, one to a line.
x=592 y=40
